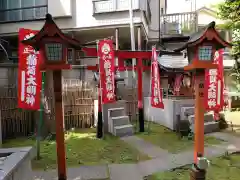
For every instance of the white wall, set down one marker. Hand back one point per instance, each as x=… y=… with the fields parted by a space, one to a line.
x=167 y=116
x=154 y=26
x=205 y=18
x=60 y=8
x=77 y=13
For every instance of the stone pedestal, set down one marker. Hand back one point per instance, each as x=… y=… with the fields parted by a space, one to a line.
x=15 y=163
x=197 y=174
x=117 y=104
x=167 y=116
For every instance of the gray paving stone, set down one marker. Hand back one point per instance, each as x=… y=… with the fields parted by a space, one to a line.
x=145 y=147
x=155 y=165
x=124 y=172
x=88 y=172
x=81 y=173
x=181 y=159
x=225 y=137
x=166 y=163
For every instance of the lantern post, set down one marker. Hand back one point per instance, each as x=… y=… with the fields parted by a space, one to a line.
x=201 y=48
x=53 y=44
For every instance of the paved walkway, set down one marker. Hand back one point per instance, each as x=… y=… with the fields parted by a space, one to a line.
x=162 y=161
x=145 y=147
x=81 y=173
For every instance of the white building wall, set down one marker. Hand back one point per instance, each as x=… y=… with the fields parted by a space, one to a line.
x=75 y=14
x=205 y=18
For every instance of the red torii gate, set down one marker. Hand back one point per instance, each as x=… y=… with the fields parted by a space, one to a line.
x=126 y=54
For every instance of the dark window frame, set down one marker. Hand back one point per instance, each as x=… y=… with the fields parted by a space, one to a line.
x=22 y=10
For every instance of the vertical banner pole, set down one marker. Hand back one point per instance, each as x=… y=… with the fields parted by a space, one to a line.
x=100 y=108
x=40 y=122
x=139 y=69
x=150 y=92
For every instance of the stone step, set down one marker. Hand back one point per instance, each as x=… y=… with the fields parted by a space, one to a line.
x=187 y=111
x=207 y=118
x=120 y=121
x=125 y=130
x=115 y=112
x=209 y=127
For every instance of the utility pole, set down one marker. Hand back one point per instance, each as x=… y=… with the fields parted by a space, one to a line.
x=131 y=23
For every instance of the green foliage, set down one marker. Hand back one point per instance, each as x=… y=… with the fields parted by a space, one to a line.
x=229 y=10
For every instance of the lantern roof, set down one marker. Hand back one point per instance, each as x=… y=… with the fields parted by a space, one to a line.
x=209 y=33
x=51 y=30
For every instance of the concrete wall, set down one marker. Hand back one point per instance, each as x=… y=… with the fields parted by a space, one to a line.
x=17 y=166
x=167 y=116
x=60 y=8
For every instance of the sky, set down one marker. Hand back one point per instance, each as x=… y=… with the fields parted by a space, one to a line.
x=177 y=6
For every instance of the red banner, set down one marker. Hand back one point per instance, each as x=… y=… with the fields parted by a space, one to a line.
x=214 y=98
x=106 y=68
x=29 y=74
x=177 y=84
x=156 y=93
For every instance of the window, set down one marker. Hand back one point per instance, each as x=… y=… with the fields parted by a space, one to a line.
x=54 y=51
x=19 y=10
x=205 y=53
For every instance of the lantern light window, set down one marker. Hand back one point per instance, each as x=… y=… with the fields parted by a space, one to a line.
x=54 y=51
x=205 y=53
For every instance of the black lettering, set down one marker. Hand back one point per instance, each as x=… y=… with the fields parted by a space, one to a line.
x=201 y=85
x=201 y=94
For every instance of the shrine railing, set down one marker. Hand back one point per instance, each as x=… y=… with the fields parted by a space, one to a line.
x=179 y=23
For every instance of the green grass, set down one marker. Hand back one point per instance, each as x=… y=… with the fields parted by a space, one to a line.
x=169 y=140
x=222 y=168
x=82 y=148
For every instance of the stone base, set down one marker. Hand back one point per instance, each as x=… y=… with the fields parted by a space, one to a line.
x=17 y=164
x=197 y=174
